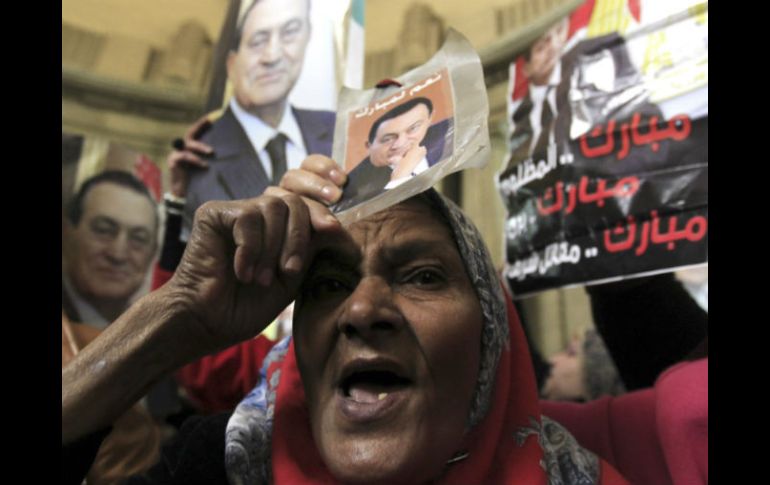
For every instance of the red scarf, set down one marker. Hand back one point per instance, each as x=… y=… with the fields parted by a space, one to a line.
x=495 y=457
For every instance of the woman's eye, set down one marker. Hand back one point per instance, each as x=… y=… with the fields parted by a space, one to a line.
x=426 y=278
x=326 y=287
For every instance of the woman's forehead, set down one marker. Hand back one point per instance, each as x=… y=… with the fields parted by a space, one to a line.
x=409 y=219
x=411 y=222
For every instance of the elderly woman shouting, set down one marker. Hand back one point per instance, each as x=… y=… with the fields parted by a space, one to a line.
x=406 y=364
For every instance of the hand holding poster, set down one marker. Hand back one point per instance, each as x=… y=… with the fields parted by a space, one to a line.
x=398 y=140
x=608 y=170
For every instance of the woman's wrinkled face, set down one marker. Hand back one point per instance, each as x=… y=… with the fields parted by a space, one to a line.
x=388 y=337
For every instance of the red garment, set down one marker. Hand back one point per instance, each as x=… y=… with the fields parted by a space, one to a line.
x=656 y=436
x=219 y=381
x=682 y=414
x=495 y=457
x=160 y=276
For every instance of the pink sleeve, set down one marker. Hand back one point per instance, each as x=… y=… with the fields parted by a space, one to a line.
x=620 y=430
x=656 y=436
x=682 y=420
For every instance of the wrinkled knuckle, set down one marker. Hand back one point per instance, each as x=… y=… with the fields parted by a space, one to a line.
x=296 y=237
x=292 y=199
x=246 y=217
x=207 y=208
x=271 y=191
x=271 y=204
x=214 y=210
x=205 y=214
x=274 y=191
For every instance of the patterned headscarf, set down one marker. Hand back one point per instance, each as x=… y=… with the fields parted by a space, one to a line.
x=507 y=440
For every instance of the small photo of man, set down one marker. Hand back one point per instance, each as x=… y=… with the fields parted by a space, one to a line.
x=393 y=140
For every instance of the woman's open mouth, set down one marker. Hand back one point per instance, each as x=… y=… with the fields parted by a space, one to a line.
x=370 y=390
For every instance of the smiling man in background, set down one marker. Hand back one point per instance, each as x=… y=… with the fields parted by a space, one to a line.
x=112 y=228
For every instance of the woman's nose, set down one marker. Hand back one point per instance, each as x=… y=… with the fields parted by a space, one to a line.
x=370 y=310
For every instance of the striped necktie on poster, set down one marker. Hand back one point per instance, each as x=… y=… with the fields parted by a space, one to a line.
x=276 y=148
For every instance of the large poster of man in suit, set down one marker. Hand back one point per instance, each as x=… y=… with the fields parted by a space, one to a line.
x=607 y=172
x=262 y=133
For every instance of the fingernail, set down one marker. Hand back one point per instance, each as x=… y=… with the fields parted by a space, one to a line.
x=293 y=265
x=265 y=277
x=329 y=192
x=336 y=175
x=331 y=219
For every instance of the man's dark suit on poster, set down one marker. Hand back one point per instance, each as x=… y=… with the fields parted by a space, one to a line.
x=235 y=171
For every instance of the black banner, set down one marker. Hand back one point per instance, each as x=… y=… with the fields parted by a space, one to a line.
x=608 y=171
